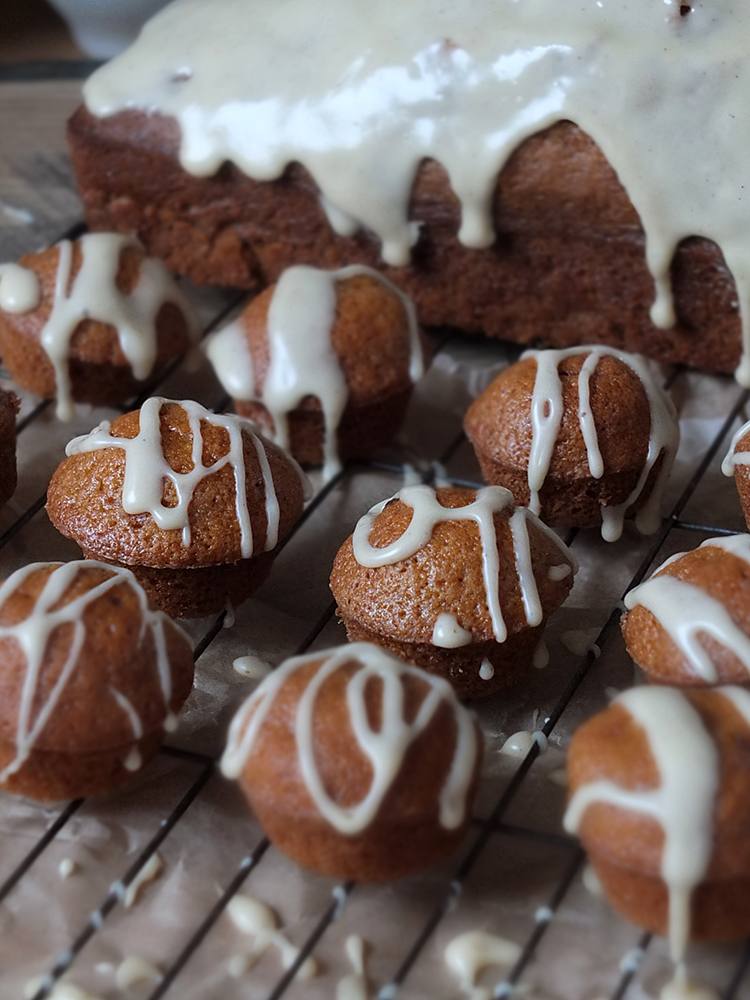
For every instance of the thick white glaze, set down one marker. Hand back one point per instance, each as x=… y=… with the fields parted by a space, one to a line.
x=33 y=634
x=384 y=749
x=546 y=420
x=354 y=986
x=685 y=611
x=464 y=85
x=469 y=953
x=255 y=918
x=683 y=804
x=429 y=512
x=146 y=468
x=731 y=459
x=302 y=360
x=94 y=295
x=20 y=289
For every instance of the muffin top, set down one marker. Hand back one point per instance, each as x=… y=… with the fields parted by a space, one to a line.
x=175 y=485
x=451 y=567
x=354 y=734
x=85 y=664
x=689 y=624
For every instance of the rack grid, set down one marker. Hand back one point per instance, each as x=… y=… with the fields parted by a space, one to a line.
x=485 y=828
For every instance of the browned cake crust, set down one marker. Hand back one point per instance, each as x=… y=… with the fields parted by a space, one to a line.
x=741 y=474
x=720 y=575
x=370 y=336
x=568 y=265
x=99 y=371
x=9 y=406
x=396 y=606
x=626 y=847
x=84 y=502
x=406 y=835
x=83 y=747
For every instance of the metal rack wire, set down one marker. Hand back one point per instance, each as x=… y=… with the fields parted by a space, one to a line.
x=484 y=828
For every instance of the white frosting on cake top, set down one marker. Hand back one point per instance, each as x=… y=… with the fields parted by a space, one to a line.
x=361 y=95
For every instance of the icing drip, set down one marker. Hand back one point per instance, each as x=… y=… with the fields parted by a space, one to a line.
x=486 y=670
x=146 y=468
x=252 y=667
x=581 y=641
x=448 y=634
x=20 y=290
x=303 y=362
x=546 y=420
x=557 y=573
x=95 y=296
x=429 y=512
x=683 y=804
x=519 y=744
x=66 y=868
x=134 y=970
x=685 y=611
x=33 y=634
x=148 y=873
x=354 y=987
x=385 y=749
x=469 y=953
x=682 y=988
x=732 y=459
x=254 y=918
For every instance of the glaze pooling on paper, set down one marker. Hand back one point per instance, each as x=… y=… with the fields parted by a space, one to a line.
x=384 y=749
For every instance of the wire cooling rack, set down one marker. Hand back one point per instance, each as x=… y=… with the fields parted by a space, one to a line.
x=517 y=875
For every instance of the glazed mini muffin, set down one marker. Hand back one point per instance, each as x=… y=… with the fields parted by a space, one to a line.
x=583 y=436
x=90 y=320
x=194 y=502
x=357 y=765
x=8 y=476
x=689 y=624
x=324 y=362
x=90 y=677
x=737 y=463
x=660 y=795
x=457 y=582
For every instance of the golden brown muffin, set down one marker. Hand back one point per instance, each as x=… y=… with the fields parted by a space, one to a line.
x=324 y=362
x=689 y=624
x=582 y=436
x=328 y=794
x=90 y=677
x=456 y=582
x=660 y=794
x=91 y=320
x=196 y=506
x=8 y=476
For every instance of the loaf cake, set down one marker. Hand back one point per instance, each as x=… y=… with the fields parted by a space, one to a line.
x=512 y=166
x=323 y=362
x=355 y=764
x=458 y=582
x=582 y=436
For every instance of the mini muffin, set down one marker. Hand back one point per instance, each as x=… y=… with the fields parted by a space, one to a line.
x=90 y=677
x=584 y=436
x=194 y=502
x=91 y=320
x=737 y=463
x=8 y=476
x=660 y=796
x=457 y=582
x=689 y=624
x=357 y=765
x=324 y=362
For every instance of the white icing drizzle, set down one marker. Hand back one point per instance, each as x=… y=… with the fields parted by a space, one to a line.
x=685 y=611
x=303 y=362
x=95 y=295
x=591 y=881
x=134 y=970
x=252 y=667
x=66 y=868
x=683 y=804
x=384 y=749
x=255 y=918
x=581 y=641
x=557 y=573
x=732 y=459
x=463 y=85
x=133 y=761
x=486 y=670
x=20 y=290
x=146 y=468
x=541 y=655
x=546 y=420
x=682 y=988
x=469 y=953
x=33 y=634
x=519 y=744
x=151 y=870
x=354 y=987
x=448 y=634
x=429 y=512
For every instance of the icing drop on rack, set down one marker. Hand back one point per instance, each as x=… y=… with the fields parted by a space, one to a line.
x=255 y=918
x=546 y=420
x=302 y=360
x=20 y=290
x=354 y=987
x=146 y=468
x=469 y=953
x=429 y=512
x=150 y=871
x=33 y=633
x=385 y=749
